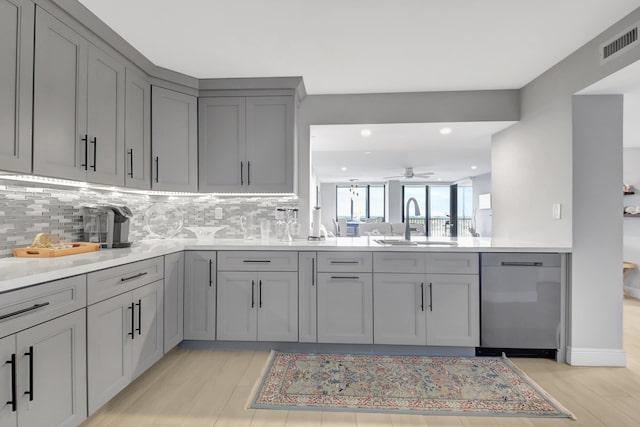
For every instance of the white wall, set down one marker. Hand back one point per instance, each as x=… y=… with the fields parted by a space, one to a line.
x=482 y=185
x=328 y=205
x=631 y=226
x=426 y=107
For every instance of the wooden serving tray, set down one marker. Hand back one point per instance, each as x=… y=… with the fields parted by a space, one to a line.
x=30 y=252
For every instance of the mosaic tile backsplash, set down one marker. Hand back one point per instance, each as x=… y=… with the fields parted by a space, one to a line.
x=27 y=209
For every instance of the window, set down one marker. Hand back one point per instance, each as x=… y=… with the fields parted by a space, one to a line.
x=358 y=202
x=465 y=210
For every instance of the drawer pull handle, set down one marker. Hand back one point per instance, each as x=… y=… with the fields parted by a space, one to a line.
x=24 y=310
x=126 y=279
x=521 y=264
x=14 y=399
x=258 y=260
x=346 y=277
x=344 y=262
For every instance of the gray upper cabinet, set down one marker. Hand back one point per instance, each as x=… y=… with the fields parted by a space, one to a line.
x=247 y=144
x=137 y=131
x=16 y=78
x=59 y=109
x=105 y=118
x=78 y=115
x=174 y=127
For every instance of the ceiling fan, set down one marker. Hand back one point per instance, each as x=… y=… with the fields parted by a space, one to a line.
x=408 y=174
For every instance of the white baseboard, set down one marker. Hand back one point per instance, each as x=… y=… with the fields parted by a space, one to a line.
x=596 y=357
x=632 y=292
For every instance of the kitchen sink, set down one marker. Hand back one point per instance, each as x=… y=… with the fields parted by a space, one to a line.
x=384 y=242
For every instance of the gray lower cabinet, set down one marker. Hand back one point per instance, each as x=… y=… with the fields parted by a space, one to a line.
x=399 y=309
x=174 y=133
x=307 y=297
x=173 y=300
x=345 y=308
x=49 y=364
x=453 y=312
x=137 y=138
x=16 y=84
x=124 y=339
x=247 y=144
x=412 y=307
x=260 y=306
x=78 y=106
x=200 y=295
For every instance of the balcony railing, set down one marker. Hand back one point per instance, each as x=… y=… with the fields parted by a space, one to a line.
x=439 y=226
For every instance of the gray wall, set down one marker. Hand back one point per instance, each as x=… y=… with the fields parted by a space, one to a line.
x=596 y=293
x=482 y=185
x=536 y=163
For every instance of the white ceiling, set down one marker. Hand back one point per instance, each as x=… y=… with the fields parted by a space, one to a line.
x=392 y=147
x=363 y=46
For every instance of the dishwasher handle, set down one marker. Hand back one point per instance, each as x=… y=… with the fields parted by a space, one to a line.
x=521 y=264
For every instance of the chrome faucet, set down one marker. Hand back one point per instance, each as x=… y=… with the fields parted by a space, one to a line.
x=407 y=228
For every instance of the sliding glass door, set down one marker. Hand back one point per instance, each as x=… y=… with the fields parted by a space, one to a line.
x=445 y=210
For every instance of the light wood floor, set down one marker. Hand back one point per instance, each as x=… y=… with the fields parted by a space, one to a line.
x=211 y=388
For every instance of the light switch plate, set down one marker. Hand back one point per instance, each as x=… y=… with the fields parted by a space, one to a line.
x=557 y=211
x=217 y=213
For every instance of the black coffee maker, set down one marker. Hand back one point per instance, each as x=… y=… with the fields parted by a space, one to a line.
x=107 y=225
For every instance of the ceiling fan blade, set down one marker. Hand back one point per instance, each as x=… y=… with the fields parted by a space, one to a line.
x=423 y=174
x=396 y=176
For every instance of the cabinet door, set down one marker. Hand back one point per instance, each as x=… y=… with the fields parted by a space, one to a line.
x=237 y=306
x=398 y=309
x=110 y=326
x=105 y=118
x=137 y=137
x=345 y=308
x=278 y=306
x=200 y=295
x=59 y=100
x=53 y=367
x=174 y=136
x=173 y=300
x=270 y=148
x=222 y=164
x=8 y=364
x=453 y=310
x=16 y=84
x=148 y=345
x=307 y=297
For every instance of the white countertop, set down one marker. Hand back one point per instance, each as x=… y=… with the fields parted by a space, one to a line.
x=16 y=273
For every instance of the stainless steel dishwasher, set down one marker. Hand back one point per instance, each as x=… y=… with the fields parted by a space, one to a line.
x=521 y=304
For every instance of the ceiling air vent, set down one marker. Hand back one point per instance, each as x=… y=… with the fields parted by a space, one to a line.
x=618 y=44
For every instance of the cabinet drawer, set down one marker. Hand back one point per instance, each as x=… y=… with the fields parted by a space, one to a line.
x=107 y=283
x=24 y=308
x=399 y=262
x=257 y=261
x=345 y=261
x=452 y=263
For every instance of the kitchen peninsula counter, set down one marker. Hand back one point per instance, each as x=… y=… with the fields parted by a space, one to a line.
x=17 y=273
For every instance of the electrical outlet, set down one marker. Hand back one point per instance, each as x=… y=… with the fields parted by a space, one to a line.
x=557 y=211
x=217 y=213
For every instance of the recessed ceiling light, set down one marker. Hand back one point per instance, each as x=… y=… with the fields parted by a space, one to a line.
x=474 y=167
x=365 y=132
x=439 y=179
x=343 y=169
x=445 y=131
x=367 y=152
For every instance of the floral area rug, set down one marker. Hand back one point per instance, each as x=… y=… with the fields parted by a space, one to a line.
x=401 y=384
